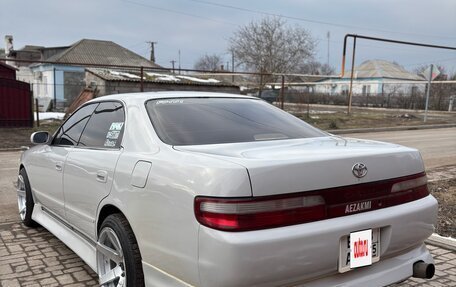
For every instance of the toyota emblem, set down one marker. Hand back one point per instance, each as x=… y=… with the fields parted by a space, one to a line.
x=359 y=170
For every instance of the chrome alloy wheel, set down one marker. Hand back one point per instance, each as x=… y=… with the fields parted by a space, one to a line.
x=21 y=197
x=110 y=260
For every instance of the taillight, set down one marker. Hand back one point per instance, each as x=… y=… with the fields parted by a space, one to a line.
x=409 y=184
x=258 y=213
x=253 y=213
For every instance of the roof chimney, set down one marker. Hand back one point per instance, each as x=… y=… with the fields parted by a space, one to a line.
x=8 y=49
x=8 y=44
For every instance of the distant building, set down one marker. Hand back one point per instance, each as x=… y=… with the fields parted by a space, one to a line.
x=115 y=81
x=72 y=70
x=373 y=77
x=62 y=82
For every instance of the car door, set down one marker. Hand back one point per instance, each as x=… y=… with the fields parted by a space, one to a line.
x=48 y=164
x=90 y=166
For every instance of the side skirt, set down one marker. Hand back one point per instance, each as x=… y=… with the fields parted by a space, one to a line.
x=76 y=241
x=154 y=276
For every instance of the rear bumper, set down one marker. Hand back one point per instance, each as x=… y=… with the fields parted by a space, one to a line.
x=383 y=273
x=302 y=254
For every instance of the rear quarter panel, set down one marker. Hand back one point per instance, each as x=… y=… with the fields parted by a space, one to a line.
x=161 y=214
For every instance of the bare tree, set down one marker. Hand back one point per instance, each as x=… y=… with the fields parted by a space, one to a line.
x=209 y=63
x=314 y=67
x=270 y=46
x=440 y=93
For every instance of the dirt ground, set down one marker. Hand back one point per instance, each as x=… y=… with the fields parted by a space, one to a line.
x=445 y=193
x=18 y=137
x=335 y=117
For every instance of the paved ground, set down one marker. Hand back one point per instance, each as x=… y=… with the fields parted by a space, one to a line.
x=437 y=146
x=9 y=164
x=34 y=257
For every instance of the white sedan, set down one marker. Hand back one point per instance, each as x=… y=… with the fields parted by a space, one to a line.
x=205 y=189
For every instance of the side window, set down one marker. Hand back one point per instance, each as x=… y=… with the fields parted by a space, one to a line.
x=70 y=132
x=105 y=127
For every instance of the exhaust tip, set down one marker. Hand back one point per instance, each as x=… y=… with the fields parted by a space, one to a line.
x=423 y=270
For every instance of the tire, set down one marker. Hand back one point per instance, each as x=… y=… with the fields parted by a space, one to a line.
x=25 y=199
x=124 y=264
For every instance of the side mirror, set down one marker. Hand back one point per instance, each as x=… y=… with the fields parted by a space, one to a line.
x=39 y=137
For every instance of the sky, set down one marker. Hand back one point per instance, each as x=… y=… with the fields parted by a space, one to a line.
x=199 y=27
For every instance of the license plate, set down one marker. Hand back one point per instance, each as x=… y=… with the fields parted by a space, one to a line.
x=361 y=248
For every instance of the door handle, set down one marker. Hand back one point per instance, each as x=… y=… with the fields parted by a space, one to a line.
x=102 y=176
x=59 y=165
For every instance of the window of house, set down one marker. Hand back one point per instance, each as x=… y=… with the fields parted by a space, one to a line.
x=44 y=87
x=344 y=89
x=366 y=89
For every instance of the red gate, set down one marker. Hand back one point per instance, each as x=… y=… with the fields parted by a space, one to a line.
x=16 y=109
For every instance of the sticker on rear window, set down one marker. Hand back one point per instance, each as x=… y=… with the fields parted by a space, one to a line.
x=116 y=126
x=163 y=102
x=110 y=143
x=113 y=135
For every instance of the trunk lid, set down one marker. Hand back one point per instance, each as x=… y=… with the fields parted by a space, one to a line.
x=287 y=166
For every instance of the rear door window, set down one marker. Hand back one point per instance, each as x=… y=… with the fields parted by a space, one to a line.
x=105 y=127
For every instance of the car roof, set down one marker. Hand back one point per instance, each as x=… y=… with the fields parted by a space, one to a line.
x=135 y=97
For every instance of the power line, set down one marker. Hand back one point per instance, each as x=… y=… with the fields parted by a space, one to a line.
x=314 y=21
x=134 y=45
x=177 y=12
x=430 y=62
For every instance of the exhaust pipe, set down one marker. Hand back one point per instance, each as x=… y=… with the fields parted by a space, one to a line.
x=423 y=270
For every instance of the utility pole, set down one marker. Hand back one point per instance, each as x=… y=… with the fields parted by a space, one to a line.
x=152 y=50
x=328 y=35
x=350 y=92
x=179 y=61
x=428 y=92
x=173 y=62
x=232 y=66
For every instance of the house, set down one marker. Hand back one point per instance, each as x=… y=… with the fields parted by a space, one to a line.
x=100 y=64
x=114 y=81
x=373 y=77
x=63 y=81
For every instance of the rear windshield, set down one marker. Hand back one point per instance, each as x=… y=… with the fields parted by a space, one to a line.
x=198 y=121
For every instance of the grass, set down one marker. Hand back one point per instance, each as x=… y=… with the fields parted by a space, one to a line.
x=445 y=193
x=332 y=117
x=17 y=137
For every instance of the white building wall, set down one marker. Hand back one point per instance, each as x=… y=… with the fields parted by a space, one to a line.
x=25 y=74
x=336 y=87
x=43 y=88
x=43 y=85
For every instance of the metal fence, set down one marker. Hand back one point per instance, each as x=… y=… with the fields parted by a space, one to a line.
x=15 y=104
x=58 y=92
